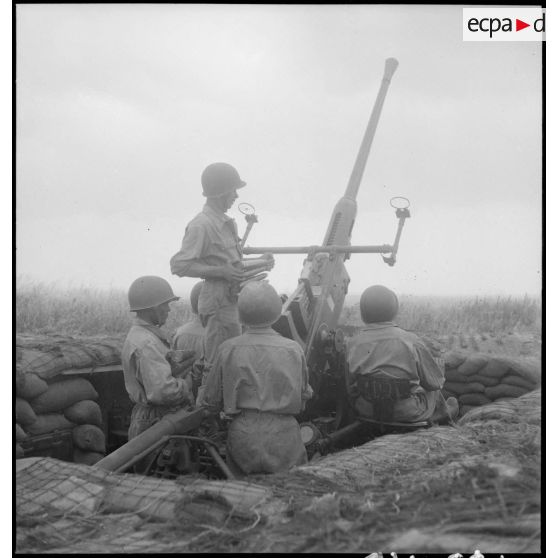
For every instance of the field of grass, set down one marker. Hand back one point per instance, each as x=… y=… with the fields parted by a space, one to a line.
x=48 y=309
x=44 y=308
x=444 y=315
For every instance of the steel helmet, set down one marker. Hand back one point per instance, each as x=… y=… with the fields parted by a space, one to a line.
x=220 y=178
x=195 y=295
x=148 y=292
x=378 y=304
x=259 y=304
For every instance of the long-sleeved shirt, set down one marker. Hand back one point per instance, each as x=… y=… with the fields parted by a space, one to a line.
x=190 y=337
x=259 y=370
x=147 y=373
x=397 y=352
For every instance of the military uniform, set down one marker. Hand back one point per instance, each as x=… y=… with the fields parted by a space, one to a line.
x=190 y=337
x=260 y=379
x=401 y=355
x=148 y=377
x=211 y=238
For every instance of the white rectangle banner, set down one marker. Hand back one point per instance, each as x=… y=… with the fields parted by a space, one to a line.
x=504 y=24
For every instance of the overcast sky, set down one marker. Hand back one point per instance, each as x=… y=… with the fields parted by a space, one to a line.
x=120 y=108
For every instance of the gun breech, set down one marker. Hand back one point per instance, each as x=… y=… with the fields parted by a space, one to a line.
x=333 y=249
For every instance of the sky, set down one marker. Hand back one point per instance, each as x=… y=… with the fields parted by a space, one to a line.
x=121 y=107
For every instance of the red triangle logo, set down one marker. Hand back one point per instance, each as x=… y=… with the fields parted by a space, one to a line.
x=519 y=25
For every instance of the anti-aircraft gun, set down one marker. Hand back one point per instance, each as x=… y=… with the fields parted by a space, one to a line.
x=310 y=316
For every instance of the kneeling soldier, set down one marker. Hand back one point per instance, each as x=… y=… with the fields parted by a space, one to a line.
x=260 y=380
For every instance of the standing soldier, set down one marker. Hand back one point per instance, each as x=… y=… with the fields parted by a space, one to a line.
x=211 y=250
x=383 y=349
x=151 y=382
x=260 y=380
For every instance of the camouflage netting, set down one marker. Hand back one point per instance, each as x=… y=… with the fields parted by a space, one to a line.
x=475 y=485
x=48 y=355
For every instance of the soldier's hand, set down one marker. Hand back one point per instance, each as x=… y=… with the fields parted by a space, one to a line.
x=231 y=273
x=180 y=361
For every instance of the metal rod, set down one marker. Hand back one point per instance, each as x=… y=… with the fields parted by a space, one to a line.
x=398 y=234
x=246 y=233
x=219 y=460
x=378 y=249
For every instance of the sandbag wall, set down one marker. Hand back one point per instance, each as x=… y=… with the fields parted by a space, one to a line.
x=48 y=401
x=477 y=379
x=55 y=404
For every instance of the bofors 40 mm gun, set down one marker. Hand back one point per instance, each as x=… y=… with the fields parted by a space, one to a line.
x=309 y=316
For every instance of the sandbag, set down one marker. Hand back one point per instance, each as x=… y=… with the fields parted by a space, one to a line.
x=61 y=395
x=31 y=387
x=486 y=381
x=474 y=399
x=20 y=433
x=87 y=457
x=520 y=381
x=494 y=368
x=505 y=390
x=528 y=368
x=24 y=412
x=461 y=388
x=49 y=422
x=472 y=364
x=454 y=358
x=84 y=412
x=454 y=376
x=89 y=438
x=19 y=453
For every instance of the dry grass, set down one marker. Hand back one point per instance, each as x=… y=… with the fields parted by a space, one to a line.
x=463 y=315
x=47 y=308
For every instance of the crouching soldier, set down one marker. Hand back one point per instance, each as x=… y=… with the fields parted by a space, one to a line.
x=152 y=383
x=260 y=380
x=383 y=350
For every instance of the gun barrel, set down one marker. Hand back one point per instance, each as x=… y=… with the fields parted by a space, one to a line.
x=333 y=249
x=362 y=157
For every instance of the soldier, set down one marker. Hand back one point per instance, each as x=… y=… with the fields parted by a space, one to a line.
x=260 y=380
x=150 y=381
x=190 y=336
x=211 y=250
x=381 y=347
